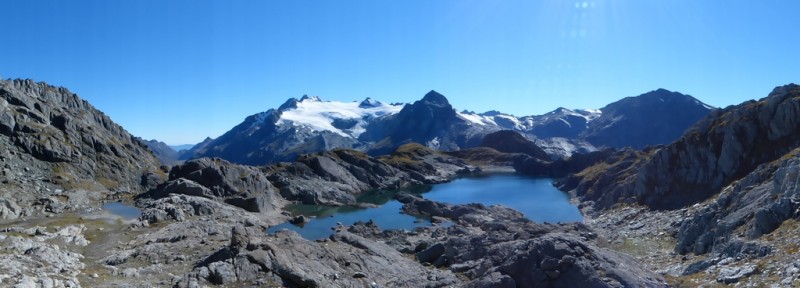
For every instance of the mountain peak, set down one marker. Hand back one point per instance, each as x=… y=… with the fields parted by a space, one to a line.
x=434 y=97
x=369 y=103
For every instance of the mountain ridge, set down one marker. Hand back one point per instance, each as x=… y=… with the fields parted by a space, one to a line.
x=310 y=124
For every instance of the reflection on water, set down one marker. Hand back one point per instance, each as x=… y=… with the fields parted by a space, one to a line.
x=386 y=216
x=535 y=197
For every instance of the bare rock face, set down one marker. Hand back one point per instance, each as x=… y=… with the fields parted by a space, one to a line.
x=756 y=204
x=55 y=141
x=242 y=186
x=726 y=145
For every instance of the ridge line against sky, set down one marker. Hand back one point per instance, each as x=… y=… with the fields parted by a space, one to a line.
x=179 y=71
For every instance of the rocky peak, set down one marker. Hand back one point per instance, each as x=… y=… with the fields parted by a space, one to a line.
x=434 y=98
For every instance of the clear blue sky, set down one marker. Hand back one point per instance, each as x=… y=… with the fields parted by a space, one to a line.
x=179 y=71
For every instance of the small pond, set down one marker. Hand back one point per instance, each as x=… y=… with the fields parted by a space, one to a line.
x=534 y=197
x=123 y=210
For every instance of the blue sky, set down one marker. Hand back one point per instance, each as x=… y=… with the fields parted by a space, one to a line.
x=179 y=71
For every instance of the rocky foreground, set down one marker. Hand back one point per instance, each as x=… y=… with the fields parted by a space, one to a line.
x=206 y=225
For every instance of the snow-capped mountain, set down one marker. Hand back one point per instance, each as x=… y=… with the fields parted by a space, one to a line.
x=348 y=119
x=310 y=124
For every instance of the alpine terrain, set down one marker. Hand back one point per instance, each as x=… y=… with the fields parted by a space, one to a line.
x=696 y=197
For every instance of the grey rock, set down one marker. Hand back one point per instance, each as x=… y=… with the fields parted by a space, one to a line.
x=759 y=202
x=241 y=186
x=221 y=273
x=9 y=209
x=730 y=275
x=298 y=220
x=432 y=253
x=130 y=272
x=337 y=177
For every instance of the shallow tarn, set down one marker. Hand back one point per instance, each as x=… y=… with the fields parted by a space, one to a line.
x=534 y=197
x=123 y=210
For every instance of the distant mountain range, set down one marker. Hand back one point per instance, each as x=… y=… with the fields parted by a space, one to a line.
x=181 y=147
x=310 y=124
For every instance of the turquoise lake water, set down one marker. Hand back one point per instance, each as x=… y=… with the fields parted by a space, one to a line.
x=534 y=197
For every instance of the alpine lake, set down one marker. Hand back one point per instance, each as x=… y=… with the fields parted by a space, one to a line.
x=537 y=198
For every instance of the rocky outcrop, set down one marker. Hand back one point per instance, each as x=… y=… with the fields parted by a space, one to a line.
x=756 y=205
x=286 y=259
x=55 y=143
x=337 y=177
x=241 y=186
x=34 y=257
x=723 y=147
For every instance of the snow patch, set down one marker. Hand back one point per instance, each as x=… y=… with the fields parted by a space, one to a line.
x=476 y=119
x=318 y=115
